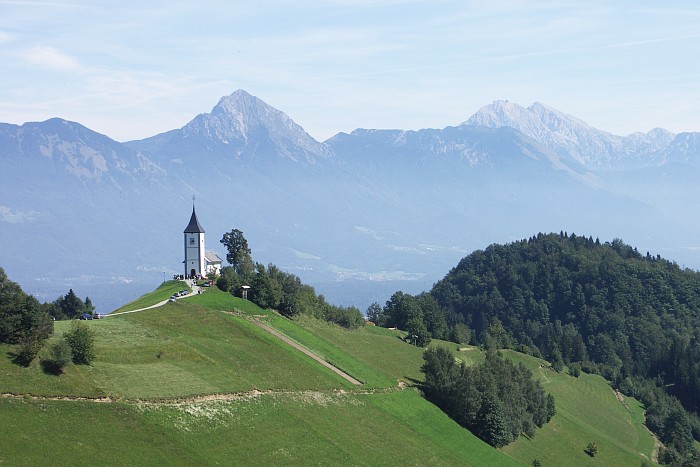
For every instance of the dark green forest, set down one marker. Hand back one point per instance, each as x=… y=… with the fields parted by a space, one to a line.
x=601 y=307
x=496 y=400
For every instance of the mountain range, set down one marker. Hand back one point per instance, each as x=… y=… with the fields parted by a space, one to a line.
x=358 y=216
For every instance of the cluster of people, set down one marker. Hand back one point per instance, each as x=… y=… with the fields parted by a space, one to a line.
x=184 y=277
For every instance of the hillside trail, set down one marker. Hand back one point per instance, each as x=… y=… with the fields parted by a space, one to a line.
x=194 y=290
x=306 y=351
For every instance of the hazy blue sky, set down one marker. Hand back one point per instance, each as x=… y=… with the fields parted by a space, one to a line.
x=131 y=69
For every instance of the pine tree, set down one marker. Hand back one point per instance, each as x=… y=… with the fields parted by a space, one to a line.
x=491 y=424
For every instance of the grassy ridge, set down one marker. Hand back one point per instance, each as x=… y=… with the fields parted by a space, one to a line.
x=181 y=350
x=191 y=348
x=163 y=292
x=376 y=356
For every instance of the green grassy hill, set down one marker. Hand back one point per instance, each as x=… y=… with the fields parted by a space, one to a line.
x=196 y=382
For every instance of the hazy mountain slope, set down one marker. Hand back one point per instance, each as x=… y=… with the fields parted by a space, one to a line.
x=684 y=149
x=240 y=126
x=573 y=138
x=359 y=216
x=73 y=208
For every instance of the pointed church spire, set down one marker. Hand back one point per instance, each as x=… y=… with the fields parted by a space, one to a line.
x=193 y=226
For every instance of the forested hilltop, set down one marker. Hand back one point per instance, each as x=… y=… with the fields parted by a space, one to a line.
x=601 y=307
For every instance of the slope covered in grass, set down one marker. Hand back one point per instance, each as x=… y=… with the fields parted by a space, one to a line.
x=587 y=407
x=588 y=410
x=281 y=407
x=290 y=409
x=163 y=292
x=297 y=428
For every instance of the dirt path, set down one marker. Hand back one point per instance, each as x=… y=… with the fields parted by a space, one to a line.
x=204 y=398
x=194 y=290
x=287 y=340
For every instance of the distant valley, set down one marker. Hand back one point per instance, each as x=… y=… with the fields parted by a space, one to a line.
x=358 y=216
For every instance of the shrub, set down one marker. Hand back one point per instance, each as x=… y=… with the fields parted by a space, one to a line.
x=81 y=340
x=575 y=369
x=59 y=355
x=591 y=449
x=27 y=349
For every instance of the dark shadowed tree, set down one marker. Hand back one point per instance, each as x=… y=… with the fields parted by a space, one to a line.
x=239 y=254
x=418 y=333
x=400 y=309
x=374 y=313
x=23 y=321
x=71 y=305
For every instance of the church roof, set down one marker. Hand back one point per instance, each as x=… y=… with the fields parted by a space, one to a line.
x=211 y=257
x=194 y=226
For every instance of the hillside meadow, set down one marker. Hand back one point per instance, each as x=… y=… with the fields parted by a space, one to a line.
x=196 y=382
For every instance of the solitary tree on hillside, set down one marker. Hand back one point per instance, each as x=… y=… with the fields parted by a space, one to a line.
x=238 y=254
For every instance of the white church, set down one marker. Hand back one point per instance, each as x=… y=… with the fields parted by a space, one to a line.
x=198 y=262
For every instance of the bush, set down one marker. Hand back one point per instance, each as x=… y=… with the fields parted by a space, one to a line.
x=591 y=449
x=575 y=369
x=59 y=355
x=27 y=349
x=81 y=340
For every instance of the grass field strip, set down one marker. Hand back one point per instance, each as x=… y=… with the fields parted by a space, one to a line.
x=306 y=351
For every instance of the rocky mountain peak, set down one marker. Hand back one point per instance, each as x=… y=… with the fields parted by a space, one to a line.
x=573 y=138
x=498 y=114
x=242 y=126
x=247 y=110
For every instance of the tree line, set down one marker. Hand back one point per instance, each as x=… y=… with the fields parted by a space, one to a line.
x=602 y=307
x=496 y=400
x=28 y=324
x=271 y=287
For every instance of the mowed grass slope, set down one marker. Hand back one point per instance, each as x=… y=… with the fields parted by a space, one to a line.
x=588 y=410
x=298 y=428
x=301 y=413
x=305 y=413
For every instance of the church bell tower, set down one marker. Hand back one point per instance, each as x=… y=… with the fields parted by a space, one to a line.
x=194 y=247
